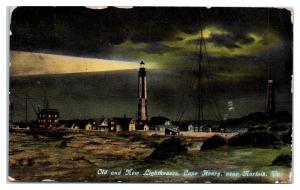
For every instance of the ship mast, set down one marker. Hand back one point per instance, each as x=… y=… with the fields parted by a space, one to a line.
x=200 y=90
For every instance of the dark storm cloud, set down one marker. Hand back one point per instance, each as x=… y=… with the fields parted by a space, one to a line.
x=83 y=30
x=69 y=29
x=231 y=40
x=223 y=40
x=157 y=48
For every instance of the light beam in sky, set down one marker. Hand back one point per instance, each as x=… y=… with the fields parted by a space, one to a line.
x=29 y=63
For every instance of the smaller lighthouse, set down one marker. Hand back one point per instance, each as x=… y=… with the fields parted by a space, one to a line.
x=142 y=118
x=270 y=102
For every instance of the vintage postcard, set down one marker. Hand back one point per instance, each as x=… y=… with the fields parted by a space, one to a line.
x=150 y=94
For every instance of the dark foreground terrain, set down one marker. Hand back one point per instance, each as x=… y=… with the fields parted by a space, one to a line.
x=85 y=158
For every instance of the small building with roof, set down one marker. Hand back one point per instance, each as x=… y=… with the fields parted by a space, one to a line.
x=103 y=125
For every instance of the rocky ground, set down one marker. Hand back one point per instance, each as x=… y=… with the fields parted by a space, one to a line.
x=34 y=158
x=78 y=157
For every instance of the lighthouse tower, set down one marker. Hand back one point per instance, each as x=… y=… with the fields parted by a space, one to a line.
x=142 y=118
x=270 y=102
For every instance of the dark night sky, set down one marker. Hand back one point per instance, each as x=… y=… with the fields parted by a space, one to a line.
x=240 y=44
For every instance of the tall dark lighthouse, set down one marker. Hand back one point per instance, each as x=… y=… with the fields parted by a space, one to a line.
x=142 y=117
x=270 y=102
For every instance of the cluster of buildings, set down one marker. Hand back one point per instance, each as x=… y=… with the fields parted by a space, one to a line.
x=104 y=124
x=120 y=124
